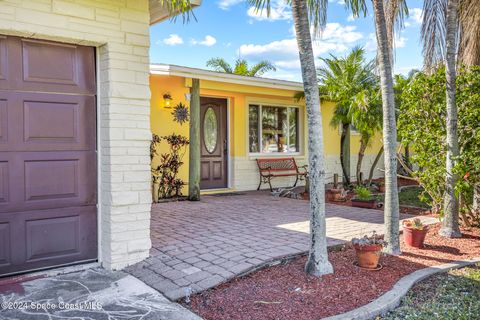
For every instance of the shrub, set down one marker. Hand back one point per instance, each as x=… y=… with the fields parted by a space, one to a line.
x=363 y=193
x=422 y=124
x=166 y=173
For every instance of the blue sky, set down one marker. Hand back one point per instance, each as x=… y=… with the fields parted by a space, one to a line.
x=230 y=29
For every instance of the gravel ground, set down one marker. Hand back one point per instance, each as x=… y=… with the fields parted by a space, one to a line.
x=286 y=292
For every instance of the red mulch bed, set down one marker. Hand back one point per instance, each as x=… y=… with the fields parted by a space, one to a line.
x=286 y=292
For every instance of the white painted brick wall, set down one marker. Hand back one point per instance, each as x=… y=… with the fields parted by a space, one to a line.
x=120 y=31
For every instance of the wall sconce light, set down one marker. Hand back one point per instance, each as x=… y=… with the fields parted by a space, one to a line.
x=167 y=100
x=188 y=96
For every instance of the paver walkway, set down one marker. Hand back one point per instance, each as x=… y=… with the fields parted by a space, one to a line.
x=198 y=245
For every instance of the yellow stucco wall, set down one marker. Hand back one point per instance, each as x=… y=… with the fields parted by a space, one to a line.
x=239 y=96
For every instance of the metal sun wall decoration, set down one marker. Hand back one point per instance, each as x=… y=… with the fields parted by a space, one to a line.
x=180 y=113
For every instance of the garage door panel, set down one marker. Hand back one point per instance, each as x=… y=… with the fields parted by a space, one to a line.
x=52 y=237
x=4 y=182
x=45 y=66
x=57 y=67
x=41 y=180
x=51 y=179
x=58 y=122
x=3 y=60
x=4 y=123
x=5 y=244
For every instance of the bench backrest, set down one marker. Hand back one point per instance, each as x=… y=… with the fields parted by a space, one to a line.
x=277 y=164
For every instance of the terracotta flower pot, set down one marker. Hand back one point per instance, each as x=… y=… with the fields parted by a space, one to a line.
x=414 y=237
x=369 y=204
x=368 y=256
x=334 y=195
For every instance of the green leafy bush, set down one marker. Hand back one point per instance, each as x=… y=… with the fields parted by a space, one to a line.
x=422 y=124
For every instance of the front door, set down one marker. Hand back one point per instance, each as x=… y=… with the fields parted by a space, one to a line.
x=213 y=143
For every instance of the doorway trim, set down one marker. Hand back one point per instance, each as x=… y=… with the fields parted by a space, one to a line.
x=229 y=162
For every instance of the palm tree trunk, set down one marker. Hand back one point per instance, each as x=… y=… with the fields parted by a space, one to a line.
x=317 y=263
x=345 y=153
x=391 y=207
x=194 y=146
x=374 y=165
x=450 y=227
x=361 y=154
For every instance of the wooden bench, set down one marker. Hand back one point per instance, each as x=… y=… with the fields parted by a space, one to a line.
x=279 y=167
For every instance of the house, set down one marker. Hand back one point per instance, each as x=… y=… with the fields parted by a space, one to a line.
x=75 y=128
x=75 y=132
x=251 y=122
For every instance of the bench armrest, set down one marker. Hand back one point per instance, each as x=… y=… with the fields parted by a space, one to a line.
x=303 y=169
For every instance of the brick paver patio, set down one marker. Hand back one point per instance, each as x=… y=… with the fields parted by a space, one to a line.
x=198 y=245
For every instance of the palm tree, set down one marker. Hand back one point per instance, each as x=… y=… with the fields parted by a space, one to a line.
x=386 y=15
x=348 y=81
x=304 y=11
x=441 y=19
x=241 y=67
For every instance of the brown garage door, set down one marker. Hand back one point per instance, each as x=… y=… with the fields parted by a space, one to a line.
x=48 y=183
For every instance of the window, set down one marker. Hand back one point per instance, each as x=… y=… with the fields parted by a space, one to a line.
x=273 y=129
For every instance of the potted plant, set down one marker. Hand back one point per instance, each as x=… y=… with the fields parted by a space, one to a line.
x=364 y=198
x=368 y=250
x=414 y=232
x=335 y=194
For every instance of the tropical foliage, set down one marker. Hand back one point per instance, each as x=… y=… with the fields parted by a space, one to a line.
x=422 y=124
x=350 y=82
x=165 y=175
x=241 y=67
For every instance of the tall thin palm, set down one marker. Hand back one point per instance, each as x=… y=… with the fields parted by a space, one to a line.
x=439 y=35
x=348 y=81
x=305 y=11
x=387 y=14
x=241 y=67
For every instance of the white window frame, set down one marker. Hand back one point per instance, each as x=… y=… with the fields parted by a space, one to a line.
x=260 y=109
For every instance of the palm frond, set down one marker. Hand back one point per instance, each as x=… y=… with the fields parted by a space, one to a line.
x=261 y=68
x=433 y=32
x=219 y=65
x=395 y=13
x=184 y=7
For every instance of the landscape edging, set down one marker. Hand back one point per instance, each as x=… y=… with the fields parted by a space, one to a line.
x=392 y=298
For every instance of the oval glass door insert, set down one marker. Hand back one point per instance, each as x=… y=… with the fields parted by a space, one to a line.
x=210 y=130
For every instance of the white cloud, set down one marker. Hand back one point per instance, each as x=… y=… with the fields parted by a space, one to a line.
x=207 y=41
x=284 y=53
x=371 y=45
x=351 y=18
x=279 y=11
x=415 y=17
x=173 y=40
x=226 y=4
x=400 y=42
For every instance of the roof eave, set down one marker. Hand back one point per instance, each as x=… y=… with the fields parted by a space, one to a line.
x=180 y=71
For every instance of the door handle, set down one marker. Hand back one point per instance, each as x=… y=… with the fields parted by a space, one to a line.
x=225 y=147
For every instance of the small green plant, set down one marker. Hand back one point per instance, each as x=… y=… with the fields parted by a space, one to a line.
x=363 y=193
x=415 y=223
